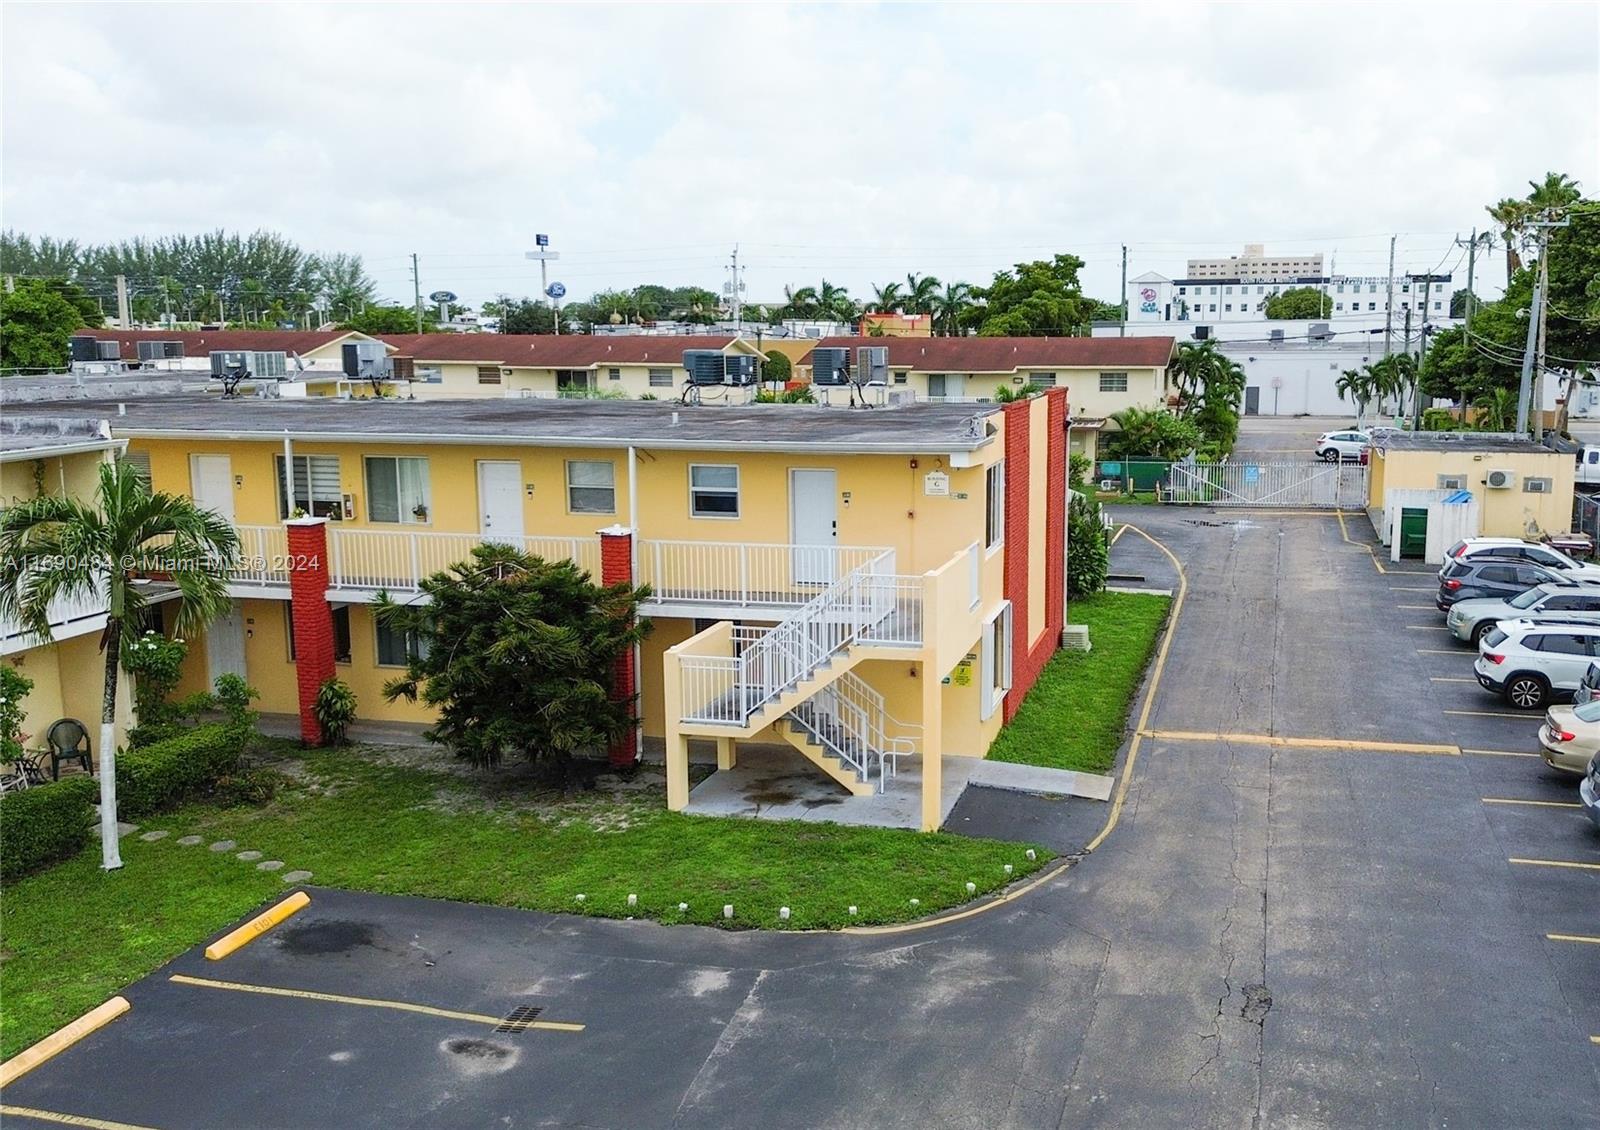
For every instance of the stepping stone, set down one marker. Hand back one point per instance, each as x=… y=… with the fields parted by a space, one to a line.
x=269 y=865
x=248 y=856
x=152 y=837
x=224 y=845
x=190 y=841
x=296 y=876
x=125 y=829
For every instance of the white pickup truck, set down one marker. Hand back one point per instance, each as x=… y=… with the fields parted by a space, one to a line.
x=1589 y=466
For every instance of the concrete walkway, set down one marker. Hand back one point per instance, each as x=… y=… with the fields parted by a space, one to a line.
x=360 y=733
x=775 y=783
x=1038 y=779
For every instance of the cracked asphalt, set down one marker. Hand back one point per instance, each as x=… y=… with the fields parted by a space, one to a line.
x=1272 y=936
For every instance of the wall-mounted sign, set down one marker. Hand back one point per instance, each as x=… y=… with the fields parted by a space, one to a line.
x=936 y=483
x=962 y=675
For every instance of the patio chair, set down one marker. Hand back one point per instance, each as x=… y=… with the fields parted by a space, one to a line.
x=67 y=739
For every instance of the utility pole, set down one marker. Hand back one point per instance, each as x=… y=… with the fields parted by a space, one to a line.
x=544 y=255
x=416 y=289
x=124 y=319
x=1406 y=349
x=734 y=289
x=1472 y=259
x=1388 y=304
x=1535 y=338
x=1538 y=363
x=1416 y=389
x=1122 y=307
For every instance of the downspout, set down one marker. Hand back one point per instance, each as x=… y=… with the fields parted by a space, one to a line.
x=633 y=544
x=288 y=475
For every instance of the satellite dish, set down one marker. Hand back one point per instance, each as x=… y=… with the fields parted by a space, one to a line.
x=442 y=296
x=556 y=290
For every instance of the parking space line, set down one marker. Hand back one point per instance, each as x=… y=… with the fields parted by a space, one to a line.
x=1417 y=607
x=1555 y=863
x=1426 y=628
x=369 y=1002
x=1415 y=588
x=1573 y=938
x=1532 y=803
x=1498 y=753
x=1451 y=679
x=1344 y=532
x=1116 y=537
x=1301 y=743
x=1443 y=651
x=66 y=1119
x=1492 y=714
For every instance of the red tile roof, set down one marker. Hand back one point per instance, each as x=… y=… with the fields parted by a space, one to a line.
x=198 y=344
x=549 y=351
x=1008 y=354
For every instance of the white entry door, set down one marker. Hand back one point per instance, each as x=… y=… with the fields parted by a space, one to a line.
x=813 y=525
x=225 y=645
x=500 y=500
x=211 y=483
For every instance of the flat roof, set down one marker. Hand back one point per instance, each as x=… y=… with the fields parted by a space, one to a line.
x=1462 y=441
x=34 y=437
x=910 y=428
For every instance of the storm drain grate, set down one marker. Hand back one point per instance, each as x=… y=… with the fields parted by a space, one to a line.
x=519 y=1019
x=1201 y=522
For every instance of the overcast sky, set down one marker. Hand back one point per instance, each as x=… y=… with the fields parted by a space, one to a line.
x=856 y=143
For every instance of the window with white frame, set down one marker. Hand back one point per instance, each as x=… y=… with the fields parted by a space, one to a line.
x=1452 y=482
x=995 y=660
x=660 y=378
x=591 y=486
x=395 y=648
x=713 y=490
x=994 y=501
x=1043 y=380
x=428 y=374
x=1113 y=382
x=613 y=374
x=488 y=374
x=397 y=489
x=316 y=486
x=139 y=461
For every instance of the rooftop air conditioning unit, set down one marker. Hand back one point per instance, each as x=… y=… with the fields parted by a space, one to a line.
x=705 y=366
x=108 y=350
x=1275 y=336
x=1500 y=480
x=1202 y=333
x=1319 y=331
x=83 y=347
x=366 y=360
x=872 y=365
x=741 y=368
x=260 y=364
x=159 y=350
x=830 y=366
x=172 y=349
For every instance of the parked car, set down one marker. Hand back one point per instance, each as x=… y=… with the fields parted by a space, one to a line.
x=1515 y=549
x=1589 y=688
x=1570 y=737
x=1529 y=662
x=1493 y=577
x=1589 y=790
x=1470 y=619
x=1349 y=444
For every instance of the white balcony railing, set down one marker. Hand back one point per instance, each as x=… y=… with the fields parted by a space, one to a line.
x=64 y=611
x=754 y=576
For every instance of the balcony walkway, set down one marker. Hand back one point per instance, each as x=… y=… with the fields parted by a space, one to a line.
x=777 y=783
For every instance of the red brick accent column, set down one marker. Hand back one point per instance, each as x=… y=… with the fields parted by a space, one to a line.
x=616 y=567
x=312 y=618
x=1026 y=663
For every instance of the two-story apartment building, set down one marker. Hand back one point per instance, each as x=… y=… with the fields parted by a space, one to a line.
x=60 y=456
x=1101 y=375
x=548 y=365
x=871 y=587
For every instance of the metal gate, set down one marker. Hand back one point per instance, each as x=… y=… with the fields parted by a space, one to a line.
x=1304 y=485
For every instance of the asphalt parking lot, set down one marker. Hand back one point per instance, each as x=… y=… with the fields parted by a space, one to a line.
x=1343 y=891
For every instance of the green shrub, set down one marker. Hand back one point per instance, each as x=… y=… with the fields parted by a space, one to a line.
x=1440 y=420
x=14 y=687
x=43 y=824
x=1079 y=468
x=155 y=776
x=232 y=695
x=1088 y=556
x=155 y=664
x=334 y=709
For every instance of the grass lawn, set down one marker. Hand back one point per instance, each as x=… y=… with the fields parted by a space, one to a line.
x=1076 y=714
x=376 y=821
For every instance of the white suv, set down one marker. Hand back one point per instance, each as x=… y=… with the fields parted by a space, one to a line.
x=1515 y=549
x=1527 y=661
x=1334 y=446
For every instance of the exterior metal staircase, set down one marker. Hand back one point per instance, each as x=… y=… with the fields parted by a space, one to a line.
x=845 y=731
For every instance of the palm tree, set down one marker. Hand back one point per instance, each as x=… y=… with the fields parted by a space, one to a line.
x=835 y=302
x=886 y=298
x=1197 y=366
x=921 y=294
x=1511 y=215
x=1497 y=410
x=1556 y=193
x=800 y=303
x=952 y=304
x=56 y=547
x=1353 y=384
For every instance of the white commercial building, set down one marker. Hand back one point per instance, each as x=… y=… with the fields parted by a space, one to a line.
x=1355 y=301
x=1257 y=266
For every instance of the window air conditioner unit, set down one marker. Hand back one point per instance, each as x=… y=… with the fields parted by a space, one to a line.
x=1500 y=480
x=1536 y=486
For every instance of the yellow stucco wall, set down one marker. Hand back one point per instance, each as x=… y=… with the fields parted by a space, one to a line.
x=60 y=476
x=69 y=682
x=1511 y=512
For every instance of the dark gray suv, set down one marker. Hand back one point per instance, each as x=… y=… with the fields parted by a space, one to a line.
x=1477 y=577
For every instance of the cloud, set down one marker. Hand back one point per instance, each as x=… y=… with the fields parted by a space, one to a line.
x=858 y=143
